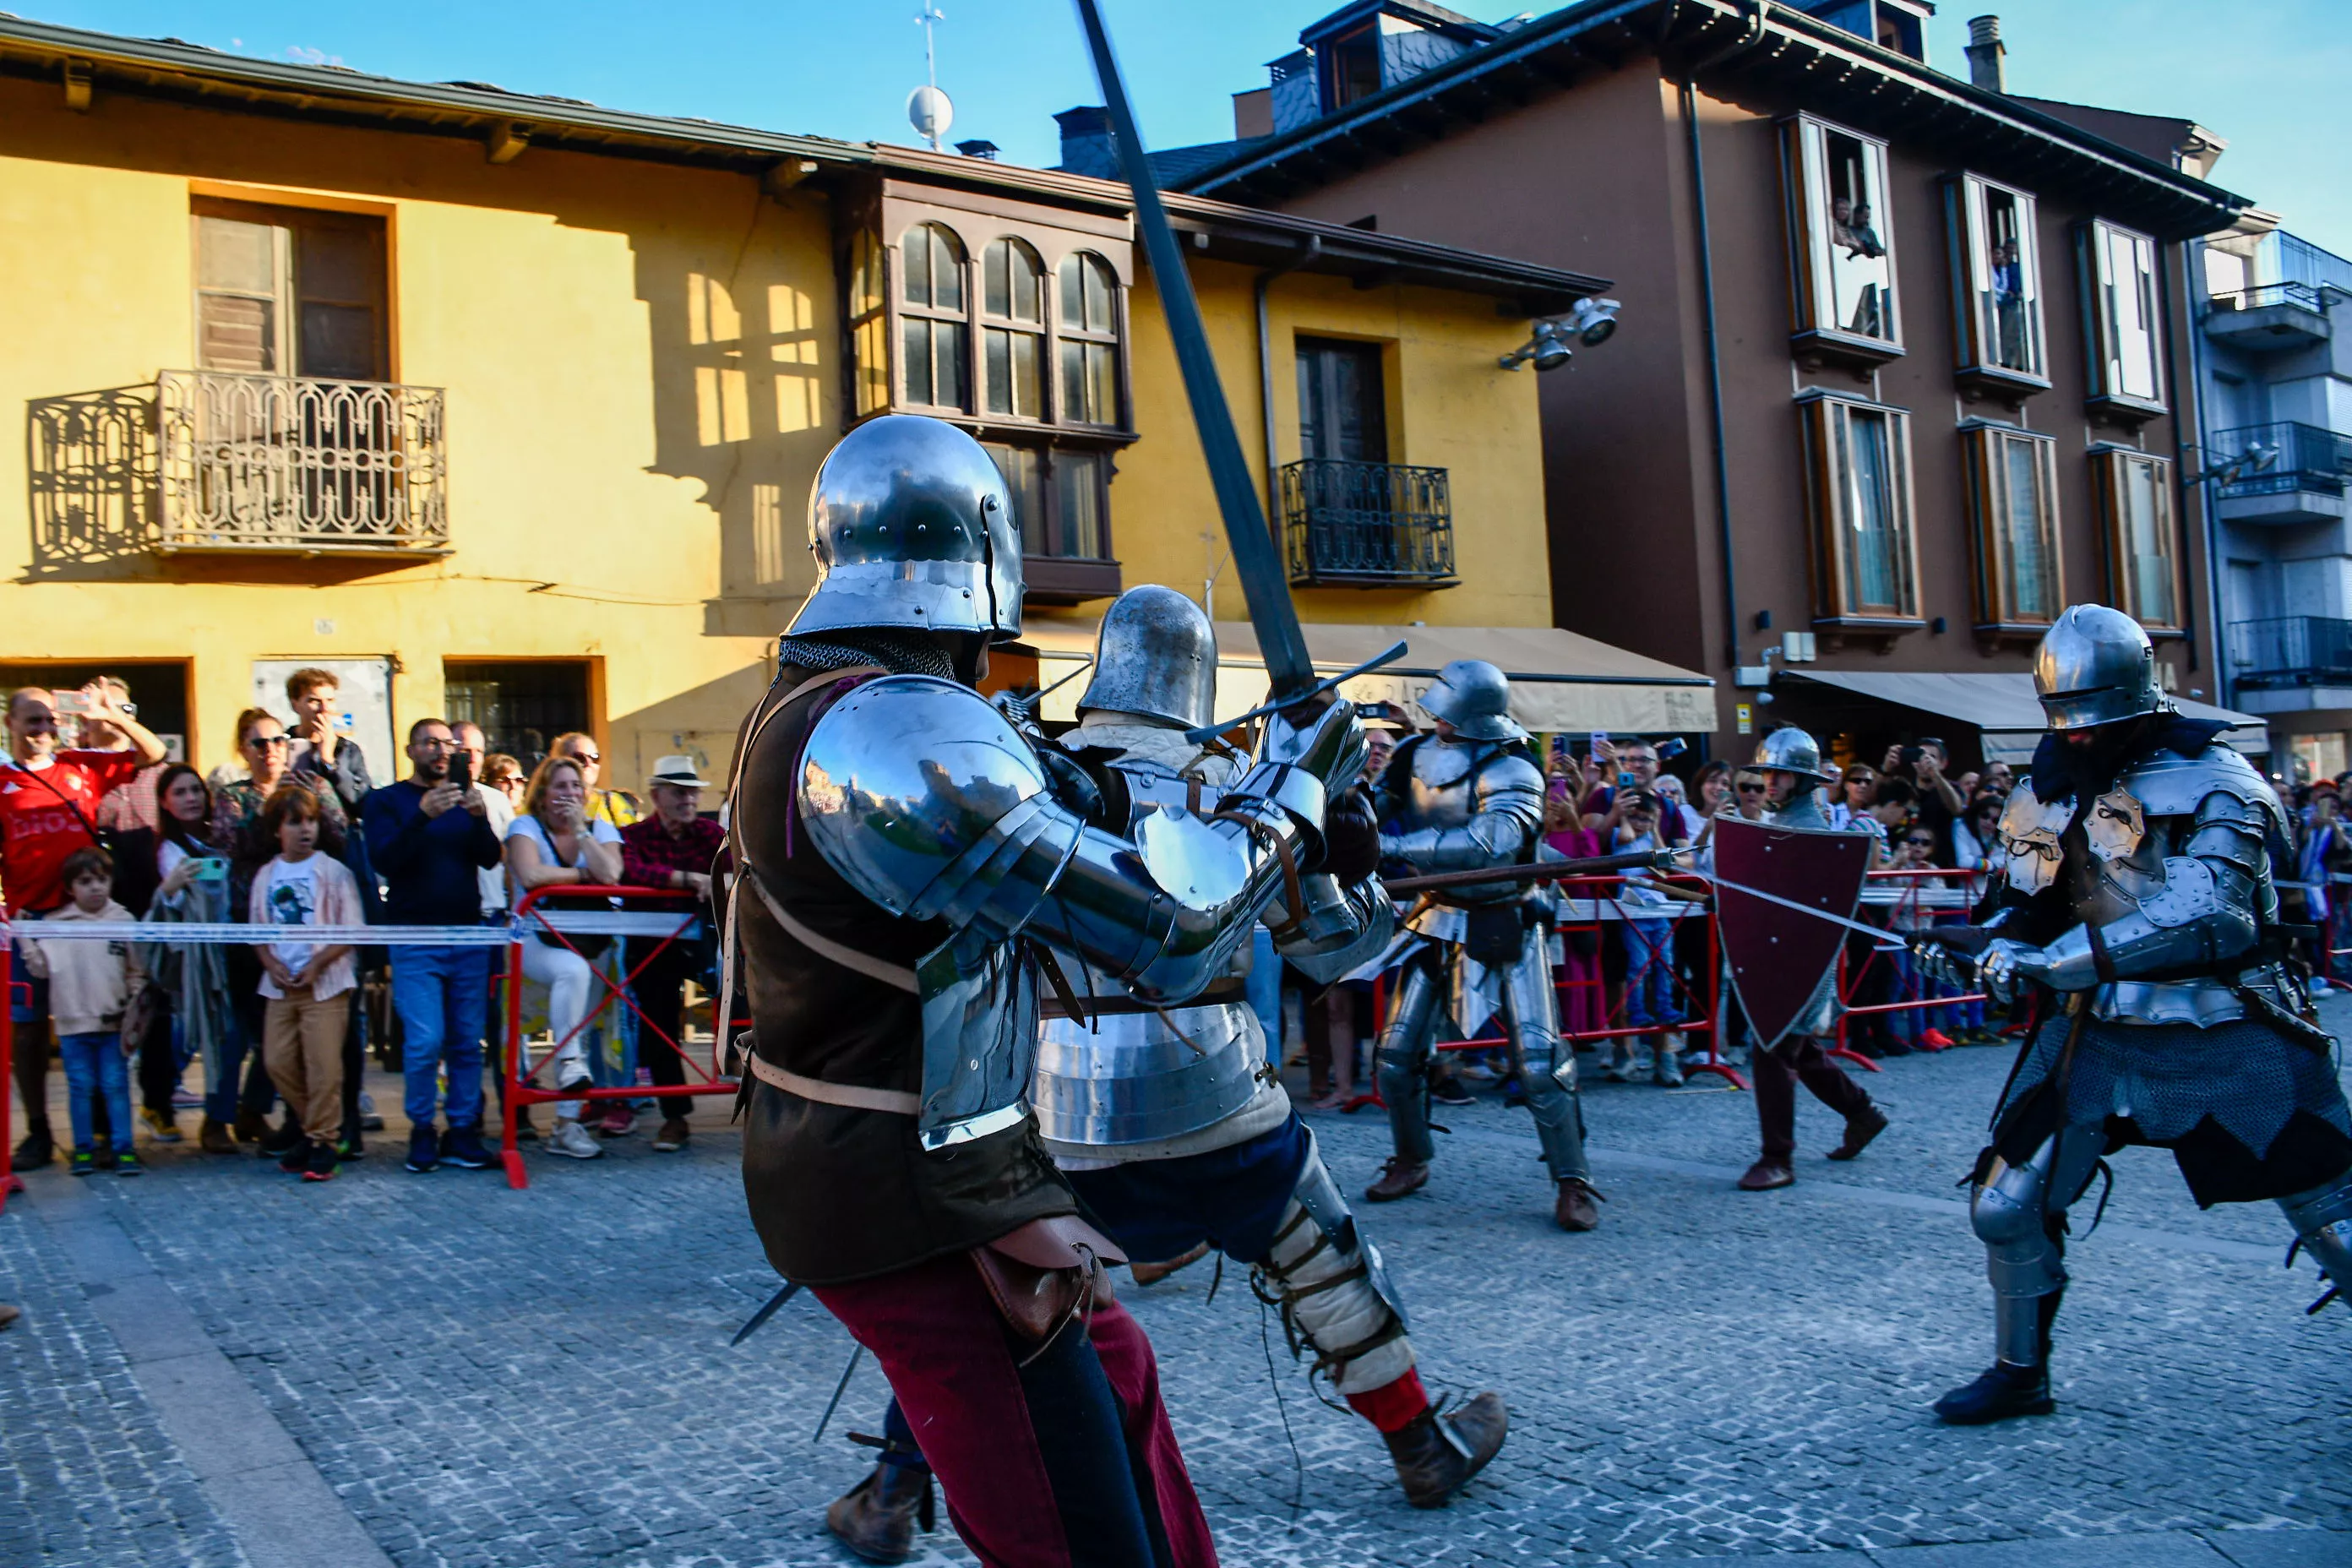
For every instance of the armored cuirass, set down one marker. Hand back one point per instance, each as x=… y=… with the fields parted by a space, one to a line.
x=1440 y=792
x=1464 y=806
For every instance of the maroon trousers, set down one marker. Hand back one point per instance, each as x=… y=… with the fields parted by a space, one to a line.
x=1066 y=1462
x=1799 y=1058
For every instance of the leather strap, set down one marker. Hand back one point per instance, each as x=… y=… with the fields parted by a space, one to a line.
x=865 y=963
x=896 y=1102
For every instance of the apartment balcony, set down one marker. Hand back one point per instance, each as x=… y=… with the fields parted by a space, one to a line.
x=1367 y=525
x=2273 y=316
x=2289 y=651
x=2296 y=474
x=205 y=463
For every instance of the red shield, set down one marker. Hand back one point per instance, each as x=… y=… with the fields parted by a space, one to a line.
x=1777 y=955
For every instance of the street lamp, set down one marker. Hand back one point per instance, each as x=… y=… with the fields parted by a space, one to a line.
x=1590 y=321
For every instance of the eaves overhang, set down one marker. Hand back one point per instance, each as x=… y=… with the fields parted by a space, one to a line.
x=94 y=65
x=1733 y=43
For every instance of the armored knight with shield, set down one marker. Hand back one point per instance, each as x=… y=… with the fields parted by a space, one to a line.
x=2133 y=903
x=1170 y=1121
x=910 y=869
x=1469 y=798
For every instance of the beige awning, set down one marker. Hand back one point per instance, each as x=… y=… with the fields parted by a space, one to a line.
x=1560 y=680
x=2003 y=706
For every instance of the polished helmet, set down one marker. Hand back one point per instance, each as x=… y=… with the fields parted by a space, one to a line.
x=1790 y=749
x=911 y=525
x=1155 y=655
x=1472 y=695
x=2095 y=665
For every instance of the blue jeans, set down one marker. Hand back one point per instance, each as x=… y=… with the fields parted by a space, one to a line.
x=1650 y=974
x=440 y=995
x=94 y=1066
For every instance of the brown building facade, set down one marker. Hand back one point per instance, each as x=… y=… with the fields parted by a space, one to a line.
x=1903 y=363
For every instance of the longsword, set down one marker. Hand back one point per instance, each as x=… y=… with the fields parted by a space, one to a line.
x=767 y=1311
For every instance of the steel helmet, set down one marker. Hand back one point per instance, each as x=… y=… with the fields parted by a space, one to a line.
x=2095 y=665
x=1790 y=749
x=1156 y=654
x=1473 y=696
x=911 y=525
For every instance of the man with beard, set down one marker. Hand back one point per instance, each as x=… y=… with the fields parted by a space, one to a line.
x=908 y=868
x=2133 y=897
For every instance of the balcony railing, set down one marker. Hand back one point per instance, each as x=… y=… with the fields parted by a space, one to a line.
x=2291 y=650
x=276 y=464
x=2287 y=458
x=2320 y=296
x=1367 y=524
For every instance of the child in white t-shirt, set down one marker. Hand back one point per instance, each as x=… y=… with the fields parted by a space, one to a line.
x=305 y=982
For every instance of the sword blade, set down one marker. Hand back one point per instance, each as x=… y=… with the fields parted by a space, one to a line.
x=1880 y=935
x=838 y=1390
x=767 y=1311
x=1280 y=642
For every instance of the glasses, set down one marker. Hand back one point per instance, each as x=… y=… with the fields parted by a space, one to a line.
x=266 y=740
x=587 y=756
x=1750 y=789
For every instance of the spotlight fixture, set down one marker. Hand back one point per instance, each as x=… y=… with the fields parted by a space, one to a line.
x=1592 y=321
x=1547 y=347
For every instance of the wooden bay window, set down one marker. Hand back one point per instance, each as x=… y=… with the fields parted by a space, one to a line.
x=2012 y=494
x=1996 y=288
x=1842 y=260
x=2122 y=321
x=1858 y=487
x=2134 y=492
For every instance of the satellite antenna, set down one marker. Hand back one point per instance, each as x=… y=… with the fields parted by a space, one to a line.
x=927 y=109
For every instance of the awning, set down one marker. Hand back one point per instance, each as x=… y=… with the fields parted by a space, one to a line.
x=2003 y=706
x=1560 y=680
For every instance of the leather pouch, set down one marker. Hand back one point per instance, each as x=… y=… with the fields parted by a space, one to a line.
x=1496 y=933
x=1046 y=1273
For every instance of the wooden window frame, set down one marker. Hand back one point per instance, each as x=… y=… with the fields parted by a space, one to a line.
x=1814 y=331
x=1826 y=418
x=1040 y=332
x=1114 y=338
x=869 y=280
x=2109 y=465
x=1050 y=575
x=287 y=220
x=1968 y=230
x=2093 y=254
x=1984 y=445
x=903 y=311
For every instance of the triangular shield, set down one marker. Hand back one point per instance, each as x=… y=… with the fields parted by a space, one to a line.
x=1778 y=956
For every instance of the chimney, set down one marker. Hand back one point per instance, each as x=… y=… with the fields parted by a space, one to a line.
x=1985 y=52
x=987 y=150
x=1087 y=147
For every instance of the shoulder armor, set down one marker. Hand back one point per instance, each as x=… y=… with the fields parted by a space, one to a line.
x=905 y=776
x=2169 y=785
x=1504 y=779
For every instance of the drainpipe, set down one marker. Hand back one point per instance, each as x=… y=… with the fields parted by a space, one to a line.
x=1306 y=258
x=1707 y=328
x=2190 y=405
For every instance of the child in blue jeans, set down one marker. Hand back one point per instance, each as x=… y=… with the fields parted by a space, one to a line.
x=90 y=984
x=1649 y=941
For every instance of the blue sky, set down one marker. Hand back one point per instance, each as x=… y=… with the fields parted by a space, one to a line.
x=2272 y=77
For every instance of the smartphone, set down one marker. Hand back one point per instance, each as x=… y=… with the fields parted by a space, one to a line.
x=1600 y=739
x=69 y=702
x=461 y=769
x=1672 y=746
x=1624 y=781
x=1559 y=747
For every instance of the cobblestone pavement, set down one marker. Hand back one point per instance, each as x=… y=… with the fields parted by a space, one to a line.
x=491 y=1377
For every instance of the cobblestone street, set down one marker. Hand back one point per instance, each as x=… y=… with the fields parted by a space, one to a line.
x=486 y=1377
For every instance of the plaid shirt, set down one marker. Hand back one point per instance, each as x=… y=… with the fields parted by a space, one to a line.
x=649 y=854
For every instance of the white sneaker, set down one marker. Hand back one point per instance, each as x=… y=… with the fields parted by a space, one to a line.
x=572 y=1141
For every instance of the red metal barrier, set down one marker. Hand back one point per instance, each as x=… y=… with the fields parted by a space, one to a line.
x=8 y=1182
x=1912 y=907
x=531 y=923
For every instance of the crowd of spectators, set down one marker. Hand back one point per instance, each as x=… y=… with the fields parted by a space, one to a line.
x=299 y=833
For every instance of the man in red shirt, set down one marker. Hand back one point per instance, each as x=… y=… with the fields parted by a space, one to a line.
x=48 y=809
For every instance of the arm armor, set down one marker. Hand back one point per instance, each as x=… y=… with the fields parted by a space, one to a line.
x=1506 y=810
x=929 y=802
x=2208 y=913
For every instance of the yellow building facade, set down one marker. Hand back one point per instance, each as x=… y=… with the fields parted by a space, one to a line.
x=508 y=407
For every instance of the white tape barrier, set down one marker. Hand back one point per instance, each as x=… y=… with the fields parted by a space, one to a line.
x=580 y=922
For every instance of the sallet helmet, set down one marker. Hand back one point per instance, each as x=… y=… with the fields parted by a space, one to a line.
x=1473 y=696
x=2095 y=665
x=1155 y=655
x=911 y=525
x=1790 y=749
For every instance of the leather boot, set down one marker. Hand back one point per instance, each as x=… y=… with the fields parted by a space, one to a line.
x=2005 y=1390
x=1436 y=1453
x=1399 y=1178
x=36 y=1148
x=252 y=1126
x=1154 y=1273
x=877 y=1518
x=1766 y=1175
x=1574 y=1208
x=1860 y=1128
x=213 y=1137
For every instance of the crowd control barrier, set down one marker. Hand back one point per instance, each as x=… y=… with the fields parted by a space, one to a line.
x=1880 y=982
x=654 y=920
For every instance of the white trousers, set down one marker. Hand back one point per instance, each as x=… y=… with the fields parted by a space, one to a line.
x=568 y=978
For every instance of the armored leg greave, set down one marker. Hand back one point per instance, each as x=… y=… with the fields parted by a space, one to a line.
x=1404 y=1062
x=1334 y=1295
x=2019 y=1213
x=1546 y=1066
x=2322 y=1219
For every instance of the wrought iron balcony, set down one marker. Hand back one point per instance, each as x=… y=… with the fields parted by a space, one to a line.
x=1367 y=525
x=2288 y=460
x=283 y=464
x=2290 y=651
x=2268 y=316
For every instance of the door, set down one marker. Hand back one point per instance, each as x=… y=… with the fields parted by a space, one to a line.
x=1342 y=402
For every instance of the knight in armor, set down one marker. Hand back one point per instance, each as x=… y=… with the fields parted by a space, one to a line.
x=1790 y=762
x=2133 y=901
x=909 y=871
x=1468 y=797
x=1170 y=1123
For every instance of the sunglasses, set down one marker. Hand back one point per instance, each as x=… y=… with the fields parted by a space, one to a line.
x=266 y=740
x=587 y=756
x=1749 y=789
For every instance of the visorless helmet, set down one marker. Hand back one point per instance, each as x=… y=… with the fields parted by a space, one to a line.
x=1156 y=654
x=1472 y=695
x=911 y=525
x=1789 y=751
x=2095 y=665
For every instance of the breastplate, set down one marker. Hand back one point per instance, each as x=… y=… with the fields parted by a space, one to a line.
x=1441 y=792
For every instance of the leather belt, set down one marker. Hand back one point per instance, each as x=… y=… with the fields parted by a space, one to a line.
x=1108 y=1006
x=896 y=1102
